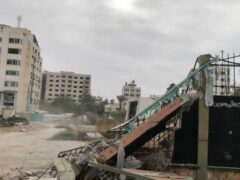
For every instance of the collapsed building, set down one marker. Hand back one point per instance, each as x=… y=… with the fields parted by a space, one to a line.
x=184 y=134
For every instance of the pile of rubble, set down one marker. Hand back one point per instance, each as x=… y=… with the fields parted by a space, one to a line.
x=20 y=174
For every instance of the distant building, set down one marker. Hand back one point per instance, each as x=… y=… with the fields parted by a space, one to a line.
x=20 y=69
x=111 y=107
x=65 y=84
x=136 y=105
x=131 y=90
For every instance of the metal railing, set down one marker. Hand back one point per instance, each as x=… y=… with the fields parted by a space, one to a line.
x=165 y=99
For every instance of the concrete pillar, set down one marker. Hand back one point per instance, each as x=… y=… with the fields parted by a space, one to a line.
x=203 y=118
x=203 y=126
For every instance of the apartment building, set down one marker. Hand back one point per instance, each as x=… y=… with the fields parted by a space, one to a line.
x=220 y=77
x=65 y=84
x=131 y=90
x=20 y=69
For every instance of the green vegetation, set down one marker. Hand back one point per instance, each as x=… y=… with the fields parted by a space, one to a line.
x=65 y=135
x=87 y=106
x=12 y=121
x=71 y=136
x=94 y=110
x=120 y=99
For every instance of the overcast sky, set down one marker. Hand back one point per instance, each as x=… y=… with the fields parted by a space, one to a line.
x=154 y=42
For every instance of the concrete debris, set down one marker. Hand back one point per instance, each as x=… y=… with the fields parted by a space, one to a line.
x=64 y=169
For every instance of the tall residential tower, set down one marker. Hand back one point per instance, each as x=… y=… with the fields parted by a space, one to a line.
x=20 y=69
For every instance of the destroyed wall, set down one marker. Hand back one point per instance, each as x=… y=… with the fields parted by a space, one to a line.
x=185 y=141
x=224 y=134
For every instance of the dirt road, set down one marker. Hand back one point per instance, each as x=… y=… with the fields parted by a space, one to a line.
x=32 y=149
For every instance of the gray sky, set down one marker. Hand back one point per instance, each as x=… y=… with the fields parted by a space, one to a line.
x=154 y=42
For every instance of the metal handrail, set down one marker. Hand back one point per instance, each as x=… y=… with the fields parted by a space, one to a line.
x=171 y=94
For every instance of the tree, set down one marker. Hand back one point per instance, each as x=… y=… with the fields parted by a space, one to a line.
x=112 y=101
x=120 y=98
x=63 y=105
x=89 y=107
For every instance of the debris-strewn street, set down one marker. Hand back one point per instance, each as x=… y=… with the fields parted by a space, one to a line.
x=30 y=149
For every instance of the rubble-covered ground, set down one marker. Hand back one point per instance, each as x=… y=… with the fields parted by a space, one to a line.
x=28 y=148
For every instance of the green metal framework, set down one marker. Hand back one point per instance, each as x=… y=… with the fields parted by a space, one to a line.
x=168 y=97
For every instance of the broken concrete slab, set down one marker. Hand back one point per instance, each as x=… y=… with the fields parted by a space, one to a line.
x=64 y=169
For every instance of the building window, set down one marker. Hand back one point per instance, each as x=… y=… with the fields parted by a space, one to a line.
x=12 y=73
x=57 y=80
x=8 y=99
x=88 y=78
x=14 y=51
x=70 y=77
x=0 y=39
x=13 y=62
x=75 y=77
x=11 y=84
x=69 y=81
x=15 y=40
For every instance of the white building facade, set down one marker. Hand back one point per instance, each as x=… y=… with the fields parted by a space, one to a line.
x=130 y=90
x=20 y=69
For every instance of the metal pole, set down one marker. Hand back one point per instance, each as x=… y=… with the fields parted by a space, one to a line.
x=234 y=80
